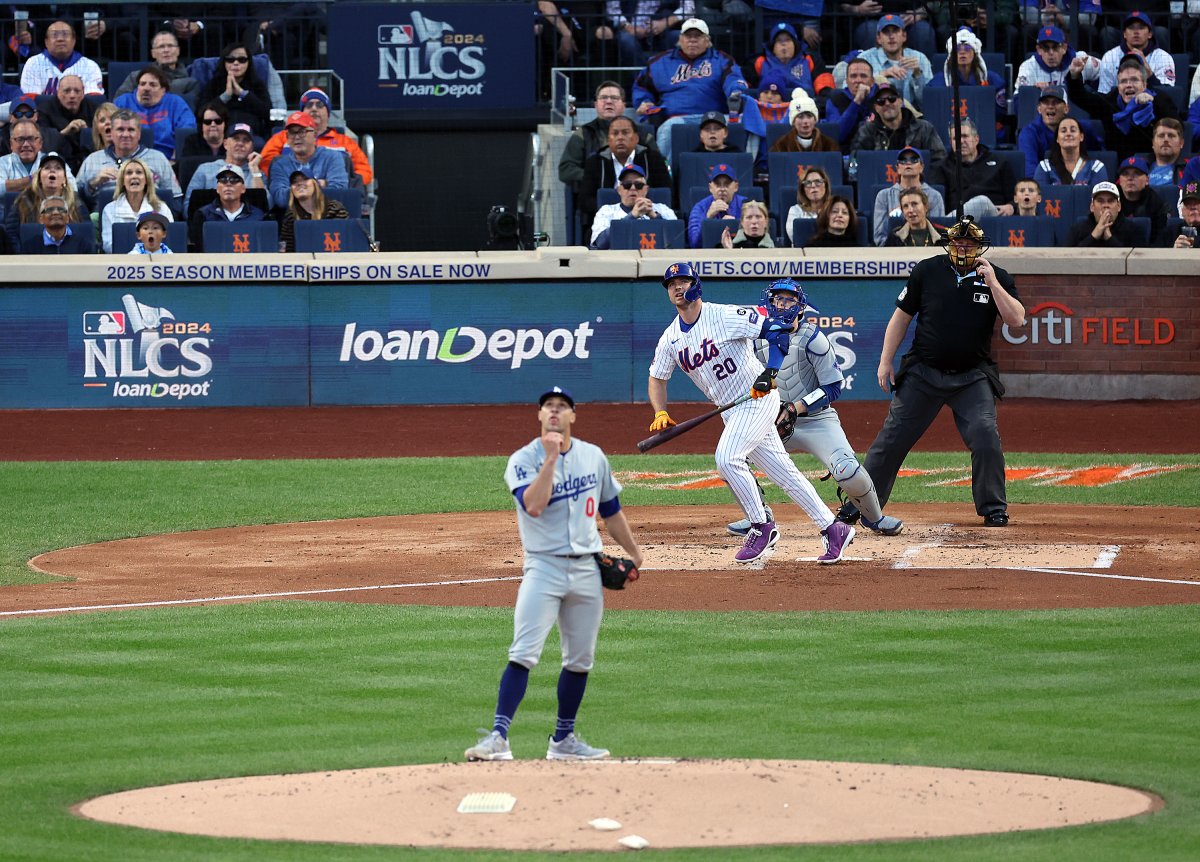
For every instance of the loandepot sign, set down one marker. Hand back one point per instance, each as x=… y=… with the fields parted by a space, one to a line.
x=464 y=343
x=1095 y=476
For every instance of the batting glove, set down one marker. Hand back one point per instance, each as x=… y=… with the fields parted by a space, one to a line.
x=764 y=384
x=661 y=421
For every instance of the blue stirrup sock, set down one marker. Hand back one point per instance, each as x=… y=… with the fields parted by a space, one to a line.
x=571 y=685
x=513 y=683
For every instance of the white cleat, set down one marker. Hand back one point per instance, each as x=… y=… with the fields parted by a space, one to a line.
x=491 y=747
x=573 y=748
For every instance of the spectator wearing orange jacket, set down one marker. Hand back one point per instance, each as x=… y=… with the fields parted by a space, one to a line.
x=316 y=104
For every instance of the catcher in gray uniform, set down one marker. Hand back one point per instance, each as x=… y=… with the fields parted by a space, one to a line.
x=809 y=381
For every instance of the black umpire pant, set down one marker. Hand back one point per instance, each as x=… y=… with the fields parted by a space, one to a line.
x=922 y=393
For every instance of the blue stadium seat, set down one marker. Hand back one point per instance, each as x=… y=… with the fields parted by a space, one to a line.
x=775 y=131
x=1027 y=99
x=1169 y=196
x=124 y=235
x=1142 y=227
x=351 y=199
x=1015 y=159
x=118 y=72
x=879 y=166
x=1065 y=205
x=980 y=105
x=1109 y=158
x=685 y=137
x=647 y=234
x=241 y=236
x=786 y=169
x=332 y=235
x=33 y=233
x=660 y=195
x=1019 y=231
x=1172 y=230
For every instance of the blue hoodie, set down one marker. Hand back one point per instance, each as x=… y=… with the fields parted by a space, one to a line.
x=795 y=72
x=681 y=87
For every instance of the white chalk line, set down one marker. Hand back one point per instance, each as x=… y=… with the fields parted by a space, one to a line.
x=284 y=595
x=1047 y=571
x=913 y=551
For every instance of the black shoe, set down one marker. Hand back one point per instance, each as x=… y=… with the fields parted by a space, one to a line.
x=995 y=519
x=848 y=514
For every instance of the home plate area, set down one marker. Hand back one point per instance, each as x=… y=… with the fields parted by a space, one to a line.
x=932 y=546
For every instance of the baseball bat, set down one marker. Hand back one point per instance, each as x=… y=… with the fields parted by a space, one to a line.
x=684 y=427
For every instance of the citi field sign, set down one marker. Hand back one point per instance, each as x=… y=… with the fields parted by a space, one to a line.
x=1057 y=325
x=442 y=56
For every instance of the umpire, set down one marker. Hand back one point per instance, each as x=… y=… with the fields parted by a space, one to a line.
x=956 y=301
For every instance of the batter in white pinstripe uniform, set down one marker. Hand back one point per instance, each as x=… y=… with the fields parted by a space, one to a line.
x=714 y=345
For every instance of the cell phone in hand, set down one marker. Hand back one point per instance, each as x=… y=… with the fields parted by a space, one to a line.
x=1188 y=231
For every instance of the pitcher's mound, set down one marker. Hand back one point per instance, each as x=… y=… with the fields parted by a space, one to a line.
x=669 y=803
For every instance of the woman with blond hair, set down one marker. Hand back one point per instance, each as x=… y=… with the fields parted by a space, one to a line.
x=134 y=195
x=50 y=178
x=306 y=201
x=102 y=126
x=752 y=233
x=812 y=194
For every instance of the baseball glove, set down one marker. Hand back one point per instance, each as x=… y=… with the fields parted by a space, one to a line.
x=614 y=571
x=785 y=422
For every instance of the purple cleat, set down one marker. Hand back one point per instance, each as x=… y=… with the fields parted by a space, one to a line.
x=837 y=537
x=760 y=539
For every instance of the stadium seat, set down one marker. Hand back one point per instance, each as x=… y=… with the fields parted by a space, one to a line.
x=1172 y=230
x=200 y=197
x=118 y=72
x=994 y=59
x=186 y=167
x=661 y=195
x=1027 y=99
x=647 y=234
x=333 y=235
x=1109 y=159
x=241 y=237
x=786 y=169
x=1142 y=226
x=685 y=137
x=697 y=193
x=351 y=199
x=124 y=235
x=775 y=131
x=1066 y=205
x=879 y=166
x=33 y=233
x=1019 y=231
x=804 y=228
x=1169 y=196
x=1015 y=159
x=980 y=105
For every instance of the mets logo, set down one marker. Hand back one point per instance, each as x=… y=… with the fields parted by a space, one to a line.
x=687 y=71
x=333 y=242
x=1053 y=208
x=241 y=243
x=673 y=269
x=650 y=240
x=893 y=176
x=689 y=361
x=1016 y=238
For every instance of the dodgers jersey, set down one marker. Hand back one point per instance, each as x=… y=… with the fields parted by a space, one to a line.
x=810 y=363
x=716 y=352
x=582 y=481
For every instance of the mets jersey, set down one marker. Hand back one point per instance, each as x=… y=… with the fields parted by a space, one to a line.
x=582 y=482
x=716 y=352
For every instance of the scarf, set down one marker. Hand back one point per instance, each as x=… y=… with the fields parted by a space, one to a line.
x=63 y=65
x=1133 y=114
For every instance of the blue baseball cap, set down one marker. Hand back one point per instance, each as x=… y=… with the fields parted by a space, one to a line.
x=1136 y=16
x=889 y=21
x=1135 y=162
x=1051 y=34
x=632 y=168
x=26 y=100
x=556 y=392
x=721 y=170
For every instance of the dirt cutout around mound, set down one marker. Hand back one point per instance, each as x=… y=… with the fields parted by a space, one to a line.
x=667 y=803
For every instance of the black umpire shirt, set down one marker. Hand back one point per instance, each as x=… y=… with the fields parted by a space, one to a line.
x=955 y=316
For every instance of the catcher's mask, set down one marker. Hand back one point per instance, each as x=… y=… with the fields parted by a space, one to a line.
x=966 y=242
x=684 y=270
x=784 y=286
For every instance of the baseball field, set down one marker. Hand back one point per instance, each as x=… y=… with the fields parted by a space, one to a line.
x=193 y=595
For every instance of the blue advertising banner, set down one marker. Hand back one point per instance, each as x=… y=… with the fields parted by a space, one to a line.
x=438 y=56
x=470 y=344
x=153 y=347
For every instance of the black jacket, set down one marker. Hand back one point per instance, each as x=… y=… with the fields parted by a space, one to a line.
x=1150 y=206
x=1123 y=234
x=987 y=175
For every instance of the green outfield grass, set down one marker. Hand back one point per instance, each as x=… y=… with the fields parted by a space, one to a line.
x=95 y=703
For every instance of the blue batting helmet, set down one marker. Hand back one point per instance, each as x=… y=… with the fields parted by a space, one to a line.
x=684 y=270
x=782 y=285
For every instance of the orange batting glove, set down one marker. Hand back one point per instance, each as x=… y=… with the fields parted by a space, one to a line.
x=661 y=421
x=764 y=384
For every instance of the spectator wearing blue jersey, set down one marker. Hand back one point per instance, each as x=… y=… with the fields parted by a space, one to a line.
x=1067 y=162
x=723 y=201
x=160 y=109
x=687 y=82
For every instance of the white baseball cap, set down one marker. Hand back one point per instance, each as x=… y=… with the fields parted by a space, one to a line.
x=1100 y=188
x=694 y=24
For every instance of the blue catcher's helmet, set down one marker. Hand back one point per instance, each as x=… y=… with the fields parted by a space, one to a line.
x=684 y=270
x=782 y=285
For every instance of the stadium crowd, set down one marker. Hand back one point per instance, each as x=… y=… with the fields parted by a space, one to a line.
x=113 y=147
x=839 y=124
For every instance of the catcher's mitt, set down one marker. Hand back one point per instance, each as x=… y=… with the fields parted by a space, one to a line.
x=614 y=571
x=785 y=422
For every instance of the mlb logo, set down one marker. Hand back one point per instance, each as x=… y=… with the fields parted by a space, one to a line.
x=104 y=323
x=395 y=34
x=982 y=298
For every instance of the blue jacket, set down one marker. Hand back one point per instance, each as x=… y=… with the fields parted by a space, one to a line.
x=326 y=164
x=796 y=72
x=843 y=110
x=163 y=119
x=681 y=87
x=696 y=219
x=1035 y=140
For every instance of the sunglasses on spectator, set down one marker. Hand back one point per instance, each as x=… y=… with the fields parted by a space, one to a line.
x=22 y=113
x=886 y=99
x=213 y=121
x=55 y=210
x=230 y=181
x=633 y=184
x=239 y=58
x=908 y=160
